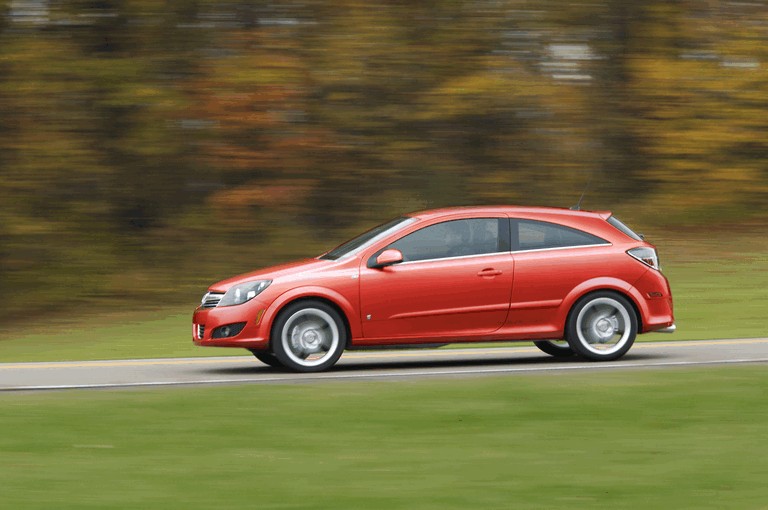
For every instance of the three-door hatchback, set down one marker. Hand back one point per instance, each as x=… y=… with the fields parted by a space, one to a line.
x=574 y=282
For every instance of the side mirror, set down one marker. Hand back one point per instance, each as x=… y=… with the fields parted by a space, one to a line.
x=388 y=257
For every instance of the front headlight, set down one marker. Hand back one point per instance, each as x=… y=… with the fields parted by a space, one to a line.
x=244 y=292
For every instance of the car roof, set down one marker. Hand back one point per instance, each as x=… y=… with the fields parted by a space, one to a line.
x=512 y=210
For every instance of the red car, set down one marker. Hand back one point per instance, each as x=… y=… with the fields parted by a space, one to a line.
x=574 y=282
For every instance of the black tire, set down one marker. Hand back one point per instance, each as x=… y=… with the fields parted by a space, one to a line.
x=267 y=358
x=551 y=348
x=308 y=336
x=602 y=326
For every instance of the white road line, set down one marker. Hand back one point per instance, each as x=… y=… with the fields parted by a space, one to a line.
x=378 y=375
x=356 y=355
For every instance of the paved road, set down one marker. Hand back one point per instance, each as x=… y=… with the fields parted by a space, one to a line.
x=367 y=365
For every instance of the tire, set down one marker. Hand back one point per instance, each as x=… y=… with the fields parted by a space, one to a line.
x=556 y=348
x=602 y=326
x=308 y=336
x=267 y=358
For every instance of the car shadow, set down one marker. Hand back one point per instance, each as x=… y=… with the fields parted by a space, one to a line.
x=349 y=366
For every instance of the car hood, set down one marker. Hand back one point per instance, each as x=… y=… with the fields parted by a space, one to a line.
x=272 y=272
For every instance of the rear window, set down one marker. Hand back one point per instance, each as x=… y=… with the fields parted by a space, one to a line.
x=540 y=235
x=618 y=225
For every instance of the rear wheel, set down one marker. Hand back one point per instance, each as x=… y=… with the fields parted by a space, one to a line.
x=267 y=358
x=556 y=348
x=308 y=336
x=602 y=326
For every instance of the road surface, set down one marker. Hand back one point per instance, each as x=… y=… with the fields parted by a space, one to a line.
x=368 y=365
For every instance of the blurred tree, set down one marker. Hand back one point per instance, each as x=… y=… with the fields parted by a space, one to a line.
x=704 y=91
x=142 y=141
x=5 y=129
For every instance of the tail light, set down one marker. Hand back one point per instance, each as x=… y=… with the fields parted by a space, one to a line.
x=647 y=256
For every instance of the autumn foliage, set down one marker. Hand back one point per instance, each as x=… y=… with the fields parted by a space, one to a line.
x=148 y=147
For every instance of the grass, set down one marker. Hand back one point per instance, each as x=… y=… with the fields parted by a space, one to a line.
x=641 y=439
x=724 y=300
x=113 y=336
x=718 y=283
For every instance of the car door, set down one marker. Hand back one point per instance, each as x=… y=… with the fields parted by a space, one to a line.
x=455 y=280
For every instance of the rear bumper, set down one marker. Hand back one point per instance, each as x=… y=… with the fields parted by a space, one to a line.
x=668 y=329
x=654 y=300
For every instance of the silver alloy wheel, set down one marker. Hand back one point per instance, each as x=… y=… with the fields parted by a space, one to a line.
x=310 y=337
x=603 y=326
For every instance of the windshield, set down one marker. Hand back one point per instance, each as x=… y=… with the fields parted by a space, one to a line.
x=367 y=238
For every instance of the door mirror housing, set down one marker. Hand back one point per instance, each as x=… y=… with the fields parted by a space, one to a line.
x=388 y=258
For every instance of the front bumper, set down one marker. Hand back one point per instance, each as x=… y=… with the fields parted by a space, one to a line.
x=668 y=329
x=252 y=336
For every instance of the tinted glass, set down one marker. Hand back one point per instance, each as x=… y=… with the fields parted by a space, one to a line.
x=367 y=238
x=539 y=235
x=613 y=220
x=455 y=238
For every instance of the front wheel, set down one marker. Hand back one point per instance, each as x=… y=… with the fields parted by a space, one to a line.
x=602 y=326
x=308 y=336
x=556 y=348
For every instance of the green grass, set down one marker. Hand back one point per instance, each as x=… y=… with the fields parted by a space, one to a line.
x=719 y=284
x=725 y=300
x=719 y=289
x=114 y=336
x=639 y=439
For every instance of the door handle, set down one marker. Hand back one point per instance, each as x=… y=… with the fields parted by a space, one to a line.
x=489 y=272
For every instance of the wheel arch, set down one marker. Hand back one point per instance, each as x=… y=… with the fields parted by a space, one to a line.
x=616 y=286
x=326 y=296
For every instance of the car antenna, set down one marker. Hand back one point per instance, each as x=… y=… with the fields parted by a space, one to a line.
x=577 y=207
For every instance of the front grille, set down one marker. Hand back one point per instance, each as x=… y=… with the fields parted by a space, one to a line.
x=200 y=331
x=211 y=299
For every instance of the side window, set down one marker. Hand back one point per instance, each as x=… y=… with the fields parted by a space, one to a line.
x=455 y=238
x=539 y=235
